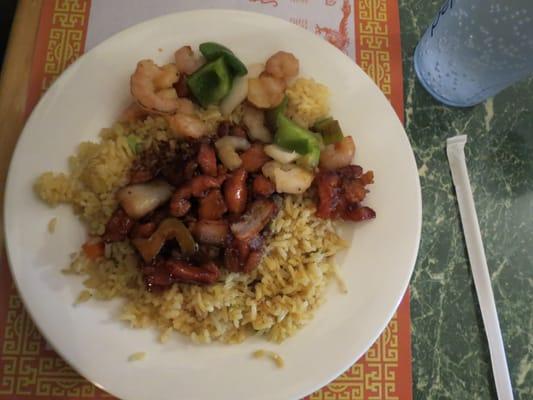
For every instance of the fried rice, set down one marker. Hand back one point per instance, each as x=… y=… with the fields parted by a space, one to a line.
x=275 y=300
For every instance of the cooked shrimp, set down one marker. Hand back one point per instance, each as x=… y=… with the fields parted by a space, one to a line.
x=282 y=65
x=186 y=106
x=169 y=94
x=266 y=91
x=227 y=151
x=291 y=178
x=338 y=155
x=187 y=125
x=166 y=79
x=186 y=61
x=147 y=87
x=133 y=113
x=288 y=178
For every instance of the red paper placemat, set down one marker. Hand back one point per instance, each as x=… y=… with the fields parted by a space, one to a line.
x=30 y=369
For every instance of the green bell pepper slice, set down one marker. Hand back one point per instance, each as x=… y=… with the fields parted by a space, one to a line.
x=295 y=138
x=211 y=83
x=310 y=160
x=212 y=51
x=330 y=130
x=320 y=123
x=271 y=115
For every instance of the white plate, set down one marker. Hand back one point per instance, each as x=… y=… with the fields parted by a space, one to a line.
x=377 y=266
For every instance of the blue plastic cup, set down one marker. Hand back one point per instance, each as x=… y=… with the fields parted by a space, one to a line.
x=474 y=49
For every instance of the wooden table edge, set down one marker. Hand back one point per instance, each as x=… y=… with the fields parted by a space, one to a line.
x=14 y=81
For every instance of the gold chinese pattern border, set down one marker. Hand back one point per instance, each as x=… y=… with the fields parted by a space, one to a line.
x=60 y=41
x=30 y=368
x=373 y=38
x=378 y=47
x=378 y=374
x=374 y=376
x=66 y=38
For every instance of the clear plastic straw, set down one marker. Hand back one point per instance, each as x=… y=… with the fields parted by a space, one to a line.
x=478 y=263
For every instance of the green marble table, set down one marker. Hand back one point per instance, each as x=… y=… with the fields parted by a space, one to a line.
x=450 y=354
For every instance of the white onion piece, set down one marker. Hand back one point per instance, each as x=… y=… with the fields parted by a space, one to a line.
x=280 y=154
x=239 y=91
x=140 y=199
x=254 y=119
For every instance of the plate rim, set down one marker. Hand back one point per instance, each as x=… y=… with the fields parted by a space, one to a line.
x=240 y=13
